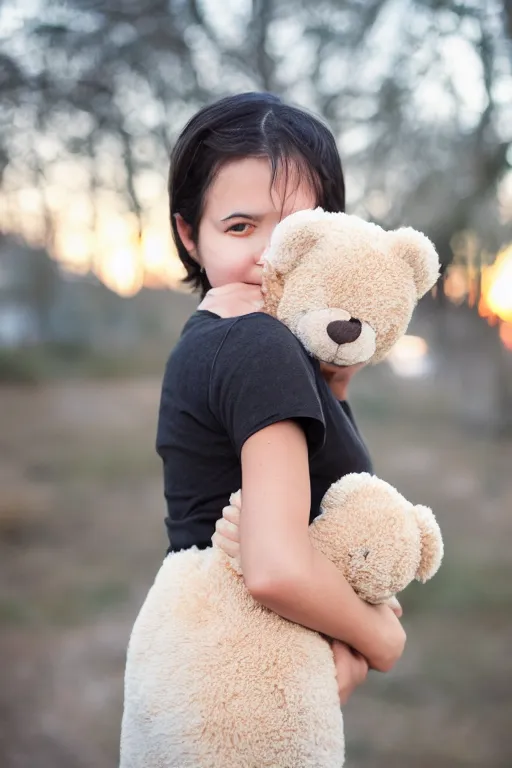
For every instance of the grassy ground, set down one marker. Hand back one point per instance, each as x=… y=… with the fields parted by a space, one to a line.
x=81 y=538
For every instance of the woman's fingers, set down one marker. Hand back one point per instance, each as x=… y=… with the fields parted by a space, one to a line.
x=228 y=529
x=233 y=299
x=395 y=607
x=361 y=667
x=235 y=499
x=229 y=547
x=232 y=514
x=227 y=532
x=351 y=669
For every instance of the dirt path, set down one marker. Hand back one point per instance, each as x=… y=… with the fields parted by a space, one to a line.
x=81 y=537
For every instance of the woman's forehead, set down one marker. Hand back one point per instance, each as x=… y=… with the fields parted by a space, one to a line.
x=246 y=185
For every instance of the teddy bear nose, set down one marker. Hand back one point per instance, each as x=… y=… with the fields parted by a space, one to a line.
x=344 y=331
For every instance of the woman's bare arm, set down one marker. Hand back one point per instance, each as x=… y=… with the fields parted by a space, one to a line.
x=282 y=570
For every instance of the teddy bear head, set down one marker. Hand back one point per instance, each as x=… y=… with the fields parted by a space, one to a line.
x=345 y=287
x=379 y=540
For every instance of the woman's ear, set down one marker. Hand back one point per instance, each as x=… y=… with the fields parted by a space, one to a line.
x=185 y=235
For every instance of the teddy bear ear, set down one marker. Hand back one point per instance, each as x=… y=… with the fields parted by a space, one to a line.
x=432 y=548
x=293 y=237
x=419 y=253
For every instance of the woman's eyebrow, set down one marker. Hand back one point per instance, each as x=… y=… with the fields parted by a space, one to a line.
x=241 y=215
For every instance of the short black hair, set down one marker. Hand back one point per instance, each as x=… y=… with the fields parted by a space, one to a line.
x=248 y=125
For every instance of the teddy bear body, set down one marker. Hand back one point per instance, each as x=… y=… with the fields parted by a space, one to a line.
x=245 y=686
x=219 y=681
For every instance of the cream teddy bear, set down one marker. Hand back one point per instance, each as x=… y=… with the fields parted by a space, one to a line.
x=345 y=287
x=213 y=678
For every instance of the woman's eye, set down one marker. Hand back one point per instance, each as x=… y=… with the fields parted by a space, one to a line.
x=240 y=228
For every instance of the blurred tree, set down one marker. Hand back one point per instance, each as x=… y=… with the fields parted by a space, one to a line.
x=415 y=90
x=29 y=283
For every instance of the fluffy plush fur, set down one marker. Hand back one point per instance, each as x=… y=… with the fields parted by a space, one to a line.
x=214 y=679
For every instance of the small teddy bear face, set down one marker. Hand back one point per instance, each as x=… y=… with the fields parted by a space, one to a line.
x=379 y=540
x=345 y=287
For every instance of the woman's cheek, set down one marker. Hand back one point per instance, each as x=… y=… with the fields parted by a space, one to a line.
x=223 y=270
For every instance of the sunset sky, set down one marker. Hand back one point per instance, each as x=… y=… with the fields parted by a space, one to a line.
x=111 y=247
x=104 y=237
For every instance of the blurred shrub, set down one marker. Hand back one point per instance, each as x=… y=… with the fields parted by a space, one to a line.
x=21 y=366
x=38 y=363
x=23 y=510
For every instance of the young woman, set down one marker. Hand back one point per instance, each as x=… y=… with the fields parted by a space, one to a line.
x=243 y=406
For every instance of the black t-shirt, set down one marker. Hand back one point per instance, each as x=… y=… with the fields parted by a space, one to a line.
x=226 y=379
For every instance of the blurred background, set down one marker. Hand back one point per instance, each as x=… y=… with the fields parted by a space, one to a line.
x=92 y=96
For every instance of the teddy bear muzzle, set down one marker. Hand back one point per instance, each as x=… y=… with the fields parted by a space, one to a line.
x=334 y=336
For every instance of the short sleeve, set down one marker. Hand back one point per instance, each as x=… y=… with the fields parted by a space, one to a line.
x=261 y=375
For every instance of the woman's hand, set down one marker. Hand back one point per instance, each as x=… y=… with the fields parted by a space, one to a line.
x=233 y=300
x=351 y=669
x=227 y=538
x=237 y=299
x=227 y=529
x=391 y=632
x=338 y=377
x=395 y=607
x=388 y=637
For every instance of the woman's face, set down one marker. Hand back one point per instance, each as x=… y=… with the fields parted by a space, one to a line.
x=241 y=210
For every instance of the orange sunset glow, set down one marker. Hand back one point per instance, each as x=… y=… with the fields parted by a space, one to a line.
x=496 y=294
x=106 y=241
x=121 y=259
